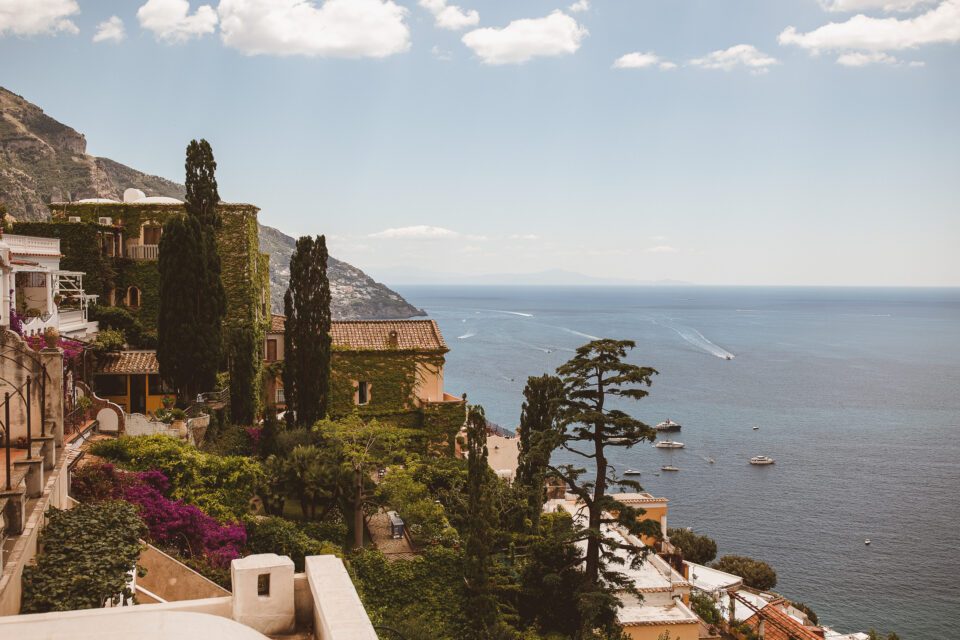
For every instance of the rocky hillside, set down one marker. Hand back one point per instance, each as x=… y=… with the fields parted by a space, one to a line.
x=354 y=294
x=43 y=160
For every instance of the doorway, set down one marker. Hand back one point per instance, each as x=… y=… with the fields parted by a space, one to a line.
x=138 y=394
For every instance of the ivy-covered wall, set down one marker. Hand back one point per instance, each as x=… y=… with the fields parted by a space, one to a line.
x=245 y=273
x=80 y=246
x=392 y=376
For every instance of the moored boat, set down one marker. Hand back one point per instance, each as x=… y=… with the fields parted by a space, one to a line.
x=761 y=460
x=631 y=472
x=669 y=444
x=668 y=425
x=669 y=467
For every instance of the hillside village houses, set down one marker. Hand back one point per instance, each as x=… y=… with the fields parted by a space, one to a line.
x=390 y=369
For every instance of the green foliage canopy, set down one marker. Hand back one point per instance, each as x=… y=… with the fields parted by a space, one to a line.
x=755 y=573
x=87 y=554
x=698 y=549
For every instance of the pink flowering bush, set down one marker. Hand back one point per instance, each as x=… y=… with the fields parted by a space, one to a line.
x=171 y=524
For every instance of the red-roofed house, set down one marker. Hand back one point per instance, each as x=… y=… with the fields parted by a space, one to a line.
x=387 y=369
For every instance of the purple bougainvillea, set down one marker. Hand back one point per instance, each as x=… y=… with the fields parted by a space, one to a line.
x=171 y=523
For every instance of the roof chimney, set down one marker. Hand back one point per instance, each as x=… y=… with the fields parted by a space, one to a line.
x=393 y=339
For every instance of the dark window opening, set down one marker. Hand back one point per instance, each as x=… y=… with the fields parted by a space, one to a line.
x=263 y=584
x=271 y=350
x=110 y=385
x=363 y=393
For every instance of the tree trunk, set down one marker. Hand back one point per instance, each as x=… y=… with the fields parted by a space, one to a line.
x=599 y=490
x=358 y=510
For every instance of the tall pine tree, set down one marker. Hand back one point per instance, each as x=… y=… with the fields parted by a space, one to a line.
x=306 y=367
x=539 y=431
x=594 y=379
x=192 y=299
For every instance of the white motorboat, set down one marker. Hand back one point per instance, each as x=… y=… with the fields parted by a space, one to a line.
x=631 y=472
x=867 y=542
x=669 y=467
x=761 y=460
x=756 y=428
x=668 y=425
x=669 y=444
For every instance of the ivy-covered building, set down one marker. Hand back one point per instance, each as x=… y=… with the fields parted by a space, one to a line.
x=117 y=245
x=385 y=369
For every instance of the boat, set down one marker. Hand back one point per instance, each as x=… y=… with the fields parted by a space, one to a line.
x=867 y=542
x=668 y=425
x=669 y=467
x=631 y=472
x=761 y=460
x=711 y=460
x=756 y=428
x=669 y=444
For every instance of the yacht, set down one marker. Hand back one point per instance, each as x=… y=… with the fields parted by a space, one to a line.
x=669 y=467
x=668 y=425
x=669 y=444
x=867 y=542
x=755 y=428
x=761 y=460
x=631 y=472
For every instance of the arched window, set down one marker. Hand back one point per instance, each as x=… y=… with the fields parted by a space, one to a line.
x=133 y=297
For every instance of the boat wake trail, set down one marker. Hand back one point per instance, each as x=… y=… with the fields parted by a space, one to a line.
x=697 y=339
x=467 y=335
x=579 y=333
x=512 y=313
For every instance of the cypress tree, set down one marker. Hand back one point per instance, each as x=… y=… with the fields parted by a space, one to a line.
x=482 y=613
x=306 y=368
x=192 y=299
x=539 y=425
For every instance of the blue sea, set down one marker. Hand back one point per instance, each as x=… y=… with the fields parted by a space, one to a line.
x=856 y=393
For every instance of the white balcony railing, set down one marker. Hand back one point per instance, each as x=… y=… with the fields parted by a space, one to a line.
x=143 y=251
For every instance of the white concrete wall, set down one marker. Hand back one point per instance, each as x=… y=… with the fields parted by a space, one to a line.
x=338 y=613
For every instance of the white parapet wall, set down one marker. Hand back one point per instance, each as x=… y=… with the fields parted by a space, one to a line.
x=338 y=613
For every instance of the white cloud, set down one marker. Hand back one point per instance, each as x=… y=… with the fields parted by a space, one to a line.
x=521 y=40
x=938 y=25
x=580 y=6
x=849 y=6
x=662 y=248
x=171 y=20
x=523 y=236
x=861 y=59
x=637 y=60
x=745 y=55
x=417 y=232
x=35 y=17
x=450 y=16
x=335 y=28
x=110 y=30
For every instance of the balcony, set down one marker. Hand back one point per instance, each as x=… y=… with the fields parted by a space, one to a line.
x=143 y=251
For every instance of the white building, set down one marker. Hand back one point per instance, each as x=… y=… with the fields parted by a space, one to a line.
x=42 y=294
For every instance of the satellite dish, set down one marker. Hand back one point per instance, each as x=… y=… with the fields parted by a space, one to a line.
x=132 y=195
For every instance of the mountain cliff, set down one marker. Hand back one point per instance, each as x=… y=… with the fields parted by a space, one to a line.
x=43 y=160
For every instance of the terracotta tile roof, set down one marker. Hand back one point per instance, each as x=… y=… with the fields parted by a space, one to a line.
x=780 y=626
x=128 y=362
x=374 y=335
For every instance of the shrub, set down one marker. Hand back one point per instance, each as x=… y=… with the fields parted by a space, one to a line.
x=704 y=606
x=270 y=534
x=222 y=486
x=811 y=614
x=109 y=340
x=696 y=548
x=755 y=573
x=331 y=529
x=88 y=552
x=171 y=524
x=118 y=318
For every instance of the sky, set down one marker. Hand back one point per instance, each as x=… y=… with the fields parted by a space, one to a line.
x=774 y=142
